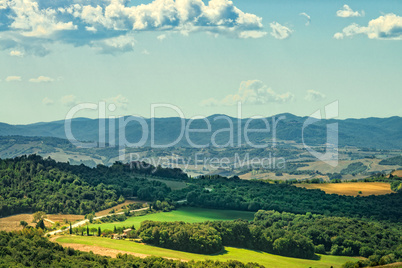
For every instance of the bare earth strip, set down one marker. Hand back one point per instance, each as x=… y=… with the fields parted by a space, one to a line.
x=351 y=188
x=62 y=217
x=104 y=251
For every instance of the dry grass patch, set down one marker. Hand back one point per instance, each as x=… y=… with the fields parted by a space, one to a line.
x=61 y=217
x=397 y=173
x=12 y=223
x=116 y=208
x=351 y=188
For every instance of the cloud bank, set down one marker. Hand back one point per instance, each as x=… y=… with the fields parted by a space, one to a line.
x=251 y=92
x=108 y=25
x=13 y=78
x=387 y=27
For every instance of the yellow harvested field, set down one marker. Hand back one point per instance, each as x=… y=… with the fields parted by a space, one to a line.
x=61 y=217
x=12 y=223
x=116 y=208
x=397 y=173
x=351 y=188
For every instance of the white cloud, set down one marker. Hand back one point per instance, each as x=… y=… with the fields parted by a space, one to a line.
x=32 y=21
x=387 y=27
x=13 y=78
x=47 y=101
x=120 y=101
x=251 y=92
x=161 y=37
x=34 y=24
x=347 y=12
x=145 y=52
x=16 y=53
x=91 y=29
x=69 y=100
x=3 y=4
x=252 y=34
x=279 y=31
x=122 y=43
x=313 y=95
x=307 y=17
x=338 y=36
x=183 y=16
x=41 y=79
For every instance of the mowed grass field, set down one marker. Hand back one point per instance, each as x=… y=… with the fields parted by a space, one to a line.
x=186 y=214
x=96 y=244
x=351 y=188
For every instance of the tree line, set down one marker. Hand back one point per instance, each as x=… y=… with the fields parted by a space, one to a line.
x=234 y=193
x=285 y=234
x=31 y=183
x=28 y=248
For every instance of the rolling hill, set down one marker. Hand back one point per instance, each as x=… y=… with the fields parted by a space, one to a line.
x=377 y=133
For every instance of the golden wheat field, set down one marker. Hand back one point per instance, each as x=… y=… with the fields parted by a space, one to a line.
x=351 y=188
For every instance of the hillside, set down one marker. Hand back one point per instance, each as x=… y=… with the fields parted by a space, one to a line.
x=379 y=133
x=34 y=184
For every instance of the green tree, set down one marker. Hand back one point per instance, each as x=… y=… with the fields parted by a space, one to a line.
x=93 y=230
x=41 y=225
x=90 y=217
x=37 y=216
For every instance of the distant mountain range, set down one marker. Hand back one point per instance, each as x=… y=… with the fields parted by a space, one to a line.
x=378 y=133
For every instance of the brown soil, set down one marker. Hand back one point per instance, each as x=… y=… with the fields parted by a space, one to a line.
x=103 y=251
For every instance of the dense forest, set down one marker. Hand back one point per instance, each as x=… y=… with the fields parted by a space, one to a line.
x=27 y=184
x=380 y=242
x=284 y=234
x=234 y=193
x=31 y=183
x=190 y=237
x=396 y=160
x=28 y=248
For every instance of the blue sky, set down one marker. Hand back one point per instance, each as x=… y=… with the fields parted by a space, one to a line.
x=202 y=57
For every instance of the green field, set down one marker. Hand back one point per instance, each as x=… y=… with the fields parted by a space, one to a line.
x=243 y=255
x=186 y=214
